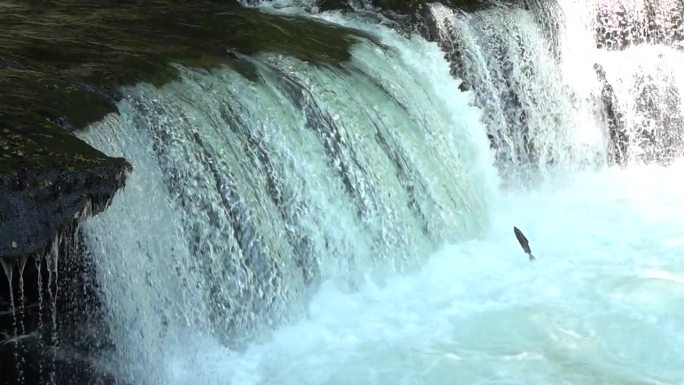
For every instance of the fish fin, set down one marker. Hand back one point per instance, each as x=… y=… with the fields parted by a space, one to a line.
x=532 y=258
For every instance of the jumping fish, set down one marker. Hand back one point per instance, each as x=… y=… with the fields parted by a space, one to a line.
x=523 y=242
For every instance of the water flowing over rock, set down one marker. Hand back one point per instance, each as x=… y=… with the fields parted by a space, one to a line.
x=624 y=23
x=239 y=187
x=507 y=59
x=62 y=66
x=297 y=163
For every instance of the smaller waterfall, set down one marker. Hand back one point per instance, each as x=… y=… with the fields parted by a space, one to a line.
x=645 y=85
x=619 y=24
x=612 y=92
x=637 y=60
x=536 y=120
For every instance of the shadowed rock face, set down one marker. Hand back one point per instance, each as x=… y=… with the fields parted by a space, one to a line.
x=37 y=203
x=619 y=139
x=48 y=177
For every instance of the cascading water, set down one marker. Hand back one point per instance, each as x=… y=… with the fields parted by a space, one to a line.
x=622 y=23
x=542 y=104
x=8 y=268
x=642 y=82
x=645 y=85
x=537 y=122
x=250 y=192
x=277 y=228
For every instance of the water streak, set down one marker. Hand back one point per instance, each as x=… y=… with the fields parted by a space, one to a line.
x=22 y=311
x=41 y=324
x=51 y=259
x=8 y=267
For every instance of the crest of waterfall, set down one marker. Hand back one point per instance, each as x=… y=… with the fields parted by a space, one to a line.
x=537 y=122
x=248 y=192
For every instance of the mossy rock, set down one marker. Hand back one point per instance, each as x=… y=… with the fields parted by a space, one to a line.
x=65 y=60
x=62 y=64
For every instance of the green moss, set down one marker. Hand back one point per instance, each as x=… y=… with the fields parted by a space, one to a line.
x=63 y=62
x=45 y=146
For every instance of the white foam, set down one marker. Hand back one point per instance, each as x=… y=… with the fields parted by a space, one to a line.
x=603 y=303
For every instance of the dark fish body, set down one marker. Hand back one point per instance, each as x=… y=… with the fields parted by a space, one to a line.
x=523 y=242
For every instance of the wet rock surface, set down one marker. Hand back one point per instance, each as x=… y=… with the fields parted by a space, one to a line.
x=48 y=179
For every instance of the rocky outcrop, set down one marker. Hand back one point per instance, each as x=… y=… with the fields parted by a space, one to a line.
x=49 y=178
x=49 y=181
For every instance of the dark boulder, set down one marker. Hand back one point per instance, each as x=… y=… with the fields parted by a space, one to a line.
x=48 y=178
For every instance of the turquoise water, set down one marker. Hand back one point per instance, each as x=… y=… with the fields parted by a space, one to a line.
x=284 y=231
x=603 y=304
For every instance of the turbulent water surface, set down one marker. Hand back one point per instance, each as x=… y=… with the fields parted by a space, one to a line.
x=352 y=225
x=603 y=303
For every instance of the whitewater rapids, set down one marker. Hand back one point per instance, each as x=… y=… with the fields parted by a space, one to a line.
x=604 y=303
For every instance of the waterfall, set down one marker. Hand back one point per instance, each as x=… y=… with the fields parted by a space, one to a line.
x=247 y=193
x=290 y=193
x=558 y=102
x=636 y=59
x=536 y=120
